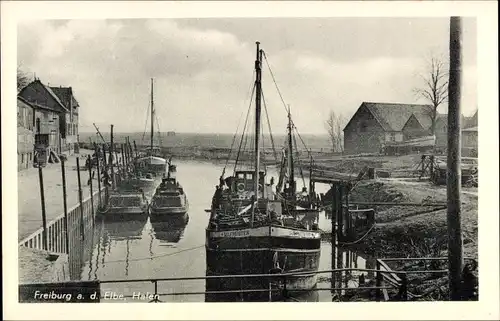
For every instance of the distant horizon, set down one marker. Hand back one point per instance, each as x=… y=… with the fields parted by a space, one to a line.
x=189 y=133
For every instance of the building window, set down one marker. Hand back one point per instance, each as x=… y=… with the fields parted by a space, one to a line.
x=363 y=127
x=19 y=117
x=38 y=125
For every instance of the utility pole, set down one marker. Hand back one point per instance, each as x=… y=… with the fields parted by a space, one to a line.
x=454 y=177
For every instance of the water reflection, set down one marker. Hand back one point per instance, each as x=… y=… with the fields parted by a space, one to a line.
x=169 y=229
x=125 y=230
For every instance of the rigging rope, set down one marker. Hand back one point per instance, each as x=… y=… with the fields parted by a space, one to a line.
x=283 y=101
x=159 y=133
x=298 y=161
x=146 y=124
x=275 y=83
x=239 y=121
x=300 y=137
x=244 y=128
x=270 y=132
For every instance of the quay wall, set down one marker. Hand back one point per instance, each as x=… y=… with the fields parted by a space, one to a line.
x=80 y=232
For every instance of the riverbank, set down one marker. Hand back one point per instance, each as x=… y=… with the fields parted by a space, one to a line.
x=415 y=231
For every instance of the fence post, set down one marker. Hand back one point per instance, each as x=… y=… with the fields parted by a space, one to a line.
x=403 y=288
x=285 y=291
x=65 y=206
x=155 y=297
x=91 y=189
x=44 y=215
x=378 y=281
x=340 y=213
x=124 y=165
x=82 y=233
x=98 y=176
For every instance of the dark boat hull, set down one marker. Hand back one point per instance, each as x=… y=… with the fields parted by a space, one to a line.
x=124 y=214
x=159 y=212
x=261 y=255
x=165 y=214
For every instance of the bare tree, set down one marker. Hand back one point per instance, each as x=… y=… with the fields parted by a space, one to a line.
x=22 y=79
x=334 y=124
x=435 y=85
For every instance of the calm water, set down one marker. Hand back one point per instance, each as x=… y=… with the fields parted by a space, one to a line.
x=141 y=249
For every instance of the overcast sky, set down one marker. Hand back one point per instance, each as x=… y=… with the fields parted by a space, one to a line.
x=203 y=67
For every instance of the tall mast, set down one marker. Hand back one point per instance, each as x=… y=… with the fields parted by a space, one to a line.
x=258 y=93
x=152 y=116
x=291 y=178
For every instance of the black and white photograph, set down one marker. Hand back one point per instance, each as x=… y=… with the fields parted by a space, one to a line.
x=249 y=159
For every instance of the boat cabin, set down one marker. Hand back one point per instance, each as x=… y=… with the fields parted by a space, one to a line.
x=151 y=164
x=127 y=200
x=154 y=151
x=244 y=181
x=169 y=187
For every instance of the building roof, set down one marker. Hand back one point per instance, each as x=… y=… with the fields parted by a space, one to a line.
x=65 y=94
x=393 y=117
x=53 y=94
x=23 y=102
x=49 y=91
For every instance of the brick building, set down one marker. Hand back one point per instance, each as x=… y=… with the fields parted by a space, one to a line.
x=56 y=115
x=25 y=135
x=373 y=124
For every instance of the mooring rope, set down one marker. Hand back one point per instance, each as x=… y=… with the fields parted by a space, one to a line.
x=166 y=254
x=359 y=240
x=157 y=256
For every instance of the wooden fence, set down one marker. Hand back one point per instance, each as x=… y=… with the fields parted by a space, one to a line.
x=56 y=230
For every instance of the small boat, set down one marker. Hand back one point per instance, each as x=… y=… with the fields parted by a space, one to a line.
x=169 y=198
x=152 y=160
x=153 y=166
x=126 y=205
x=138 y=181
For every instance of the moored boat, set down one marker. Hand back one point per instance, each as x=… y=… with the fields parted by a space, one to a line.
x=255 y=230
x=170 y=198
x=152 y=160
x=125 y=205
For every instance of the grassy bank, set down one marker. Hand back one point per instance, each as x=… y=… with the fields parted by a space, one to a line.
x=403 y=231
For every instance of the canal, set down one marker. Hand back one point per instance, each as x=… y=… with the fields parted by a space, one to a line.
x=141 y=249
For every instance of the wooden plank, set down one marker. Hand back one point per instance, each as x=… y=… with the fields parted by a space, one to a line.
x=386 y=294
x=394 y=276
